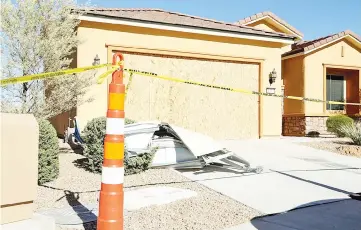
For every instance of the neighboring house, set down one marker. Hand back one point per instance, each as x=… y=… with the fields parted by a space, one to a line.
x=241 y=55
x=328 y=68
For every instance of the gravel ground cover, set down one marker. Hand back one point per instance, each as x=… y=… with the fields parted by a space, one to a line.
x=341 y=146
x=208 y=210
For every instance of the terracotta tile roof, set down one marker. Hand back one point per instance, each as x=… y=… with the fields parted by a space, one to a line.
x=174 y=18
x=273 y=16
x=310 y=45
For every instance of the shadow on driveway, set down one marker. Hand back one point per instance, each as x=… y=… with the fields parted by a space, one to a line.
x=314 y=183
x=338 y=214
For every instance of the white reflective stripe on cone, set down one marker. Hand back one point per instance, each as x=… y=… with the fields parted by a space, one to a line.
x=115 y=126
x=112 y=175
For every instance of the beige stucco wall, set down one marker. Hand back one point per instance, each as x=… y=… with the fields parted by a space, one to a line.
x=96 y=35
x=265 y=24
x=18 y=166
x=293 y=78
x=314 y=70
x=286 y=48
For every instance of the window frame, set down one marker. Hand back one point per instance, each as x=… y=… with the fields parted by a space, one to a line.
x=330 y=107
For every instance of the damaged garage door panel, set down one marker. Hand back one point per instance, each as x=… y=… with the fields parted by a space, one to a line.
x=197 y=143
x=178 y=147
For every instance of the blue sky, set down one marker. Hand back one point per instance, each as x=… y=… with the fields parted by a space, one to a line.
x=314 y=18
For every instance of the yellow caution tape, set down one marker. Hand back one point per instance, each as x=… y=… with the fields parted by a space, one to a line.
x=102 y=77
x=128 y=84
x=42 y=76
x=154 y=75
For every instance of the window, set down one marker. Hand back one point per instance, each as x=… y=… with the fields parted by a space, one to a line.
x=335 y=91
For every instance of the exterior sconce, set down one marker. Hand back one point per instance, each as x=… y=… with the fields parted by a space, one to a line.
x=96 y=60
x=272 y=77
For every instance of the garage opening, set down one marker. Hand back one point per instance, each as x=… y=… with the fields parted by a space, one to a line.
x=217 y=113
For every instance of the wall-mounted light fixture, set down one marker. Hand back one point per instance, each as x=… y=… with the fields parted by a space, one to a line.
x=96 y=60
x=272 y=77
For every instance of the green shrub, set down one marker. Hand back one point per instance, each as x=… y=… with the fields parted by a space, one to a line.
x=48 y=159
x=138 y=164
x=129 y=121
x=313 y=134
x=93 y=135
x=353 y=132
x=334 y=123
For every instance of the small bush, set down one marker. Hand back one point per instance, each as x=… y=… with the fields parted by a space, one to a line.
x=93 y=136
x=353 y=132
x=48 y=158
x=128 y=121
x=334 y=123
x=138 y=164
x=313 y=134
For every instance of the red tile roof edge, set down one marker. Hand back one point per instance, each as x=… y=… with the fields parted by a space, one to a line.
x=92 y=10
x=273 y=16
x=310 y=45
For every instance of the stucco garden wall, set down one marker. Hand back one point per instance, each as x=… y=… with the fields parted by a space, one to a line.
x=18 y=166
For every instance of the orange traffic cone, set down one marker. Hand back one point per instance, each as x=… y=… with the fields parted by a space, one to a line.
x=111 y=199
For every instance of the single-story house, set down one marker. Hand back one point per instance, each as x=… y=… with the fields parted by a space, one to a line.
x=327 y=68
x=192 y=48
x=244 y=54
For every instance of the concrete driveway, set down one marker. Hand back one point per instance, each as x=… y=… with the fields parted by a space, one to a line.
x=294 y=176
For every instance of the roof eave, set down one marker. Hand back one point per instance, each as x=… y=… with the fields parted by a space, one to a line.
x=307 y=50
x=185 y=28
x=292 y=55
x=291 y=29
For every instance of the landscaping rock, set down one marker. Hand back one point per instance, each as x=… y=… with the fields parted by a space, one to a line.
x=341 y=146
x=350 y=150
x=207 y=210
